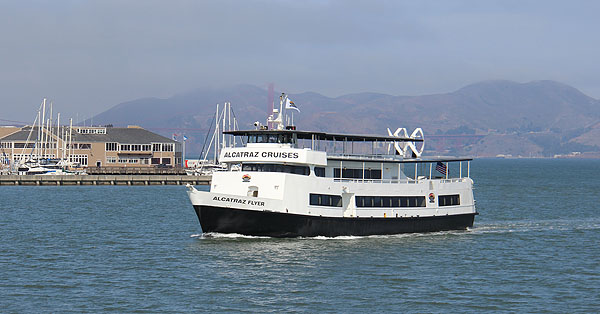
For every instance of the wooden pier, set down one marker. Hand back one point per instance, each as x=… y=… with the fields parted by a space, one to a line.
x=104 y=180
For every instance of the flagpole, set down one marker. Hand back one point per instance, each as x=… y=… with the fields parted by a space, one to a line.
x=183 y=153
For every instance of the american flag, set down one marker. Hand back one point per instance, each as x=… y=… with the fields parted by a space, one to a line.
x=440 y=167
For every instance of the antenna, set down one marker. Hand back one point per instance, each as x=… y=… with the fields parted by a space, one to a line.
x=270 y=103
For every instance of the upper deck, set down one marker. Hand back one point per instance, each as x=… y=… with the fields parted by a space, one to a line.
x=308 y=147
x=292 y=136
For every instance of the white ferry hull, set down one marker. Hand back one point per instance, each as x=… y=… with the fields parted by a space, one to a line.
x=277 y=224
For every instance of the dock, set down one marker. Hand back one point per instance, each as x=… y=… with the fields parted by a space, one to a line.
x=103 y=180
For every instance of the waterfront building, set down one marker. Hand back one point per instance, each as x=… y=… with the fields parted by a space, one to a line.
x=90 y=146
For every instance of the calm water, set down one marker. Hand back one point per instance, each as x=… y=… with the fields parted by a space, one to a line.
x=534 y=248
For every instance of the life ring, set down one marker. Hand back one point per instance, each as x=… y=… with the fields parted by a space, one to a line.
x=431 y=197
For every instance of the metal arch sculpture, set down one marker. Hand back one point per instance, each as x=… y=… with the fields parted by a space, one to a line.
x=405 y=148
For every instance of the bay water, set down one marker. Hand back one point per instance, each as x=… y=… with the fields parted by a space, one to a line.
x=535 y=247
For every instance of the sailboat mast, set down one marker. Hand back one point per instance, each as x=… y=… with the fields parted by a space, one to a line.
x=224 y=117
x=43 y=122
x=50 y=131
x=39 y=130
x=70 y=139
x=57 y=133
x=216 y=134
x=64 y=145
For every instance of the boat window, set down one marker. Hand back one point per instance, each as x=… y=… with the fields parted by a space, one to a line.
x=377 y=201
x=262 y=138
x=449 y=200
x=285 y=138
x=301 y=170
x=319 y=171
x=325 y=200
x=390 y=201
x=270 y=138
x=357 y=173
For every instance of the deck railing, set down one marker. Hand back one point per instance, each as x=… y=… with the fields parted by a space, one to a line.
x=401 y=181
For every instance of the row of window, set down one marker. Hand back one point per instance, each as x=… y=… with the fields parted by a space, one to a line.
x=50 y=145
x=156 y=147
x=92 y=131
x=270 y=138
x=163 y=161
x=82 y=159
x=16 y=157
x=302 y=170
x=128 y=160
x=325 y=200
x=390 y=201
x=382 y=201
x=357 y=173
x=449 y=200
x=135 y=147
x=22 y=145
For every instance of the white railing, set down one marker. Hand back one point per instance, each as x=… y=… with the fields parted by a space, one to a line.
x=396 y=181
x=364 y=156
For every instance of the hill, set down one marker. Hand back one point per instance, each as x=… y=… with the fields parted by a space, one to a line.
x=540 y=118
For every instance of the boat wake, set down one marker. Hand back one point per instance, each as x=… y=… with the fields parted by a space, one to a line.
x=216 y=235
x=487 y=228
x=535 y=226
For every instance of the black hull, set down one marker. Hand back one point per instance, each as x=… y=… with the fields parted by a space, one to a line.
x=265 y=223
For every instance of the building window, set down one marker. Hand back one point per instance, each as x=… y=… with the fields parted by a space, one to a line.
x=390 y=201
x=325 y=200
x=125 y=147
x=22 y=145
x=155 y=161
x=167 y=147
x=449 y=200
x=166 y=161
x=123 y=160
x=111 y=160
x=82 y=159
x=144 y=160
x=146 y=147
x=85 y=146
x=111 y=147
x=156 y=147
x=134 y=160
x=91 y=131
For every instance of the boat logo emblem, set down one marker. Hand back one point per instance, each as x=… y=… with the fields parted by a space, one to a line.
x=246 y=178
x=431 y=198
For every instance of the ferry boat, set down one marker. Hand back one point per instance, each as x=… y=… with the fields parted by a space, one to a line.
x=284 y=182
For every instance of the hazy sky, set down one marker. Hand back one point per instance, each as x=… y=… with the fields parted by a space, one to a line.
x=90 y=55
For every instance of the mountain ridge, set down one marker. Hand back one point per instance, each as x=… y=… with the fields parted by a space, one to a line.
x=514 y=110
